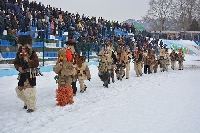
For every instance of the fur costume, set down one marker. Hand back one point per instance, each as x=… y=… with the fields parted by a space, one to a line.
x=162 y=60
x=71 y=45
x=26 y=62
x=65 y=69
x=153 y=57
x=173 y=57
x=83 y=72
x=122 y=60
x=129 y=55
x=180 y=59
x=105 y=65
x=138 y=58
x=114 y=60
x=155 y=66
x=167 y=57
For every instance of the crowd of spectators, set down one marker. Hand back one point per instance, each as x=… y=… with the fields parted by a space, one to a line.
x=18 y=15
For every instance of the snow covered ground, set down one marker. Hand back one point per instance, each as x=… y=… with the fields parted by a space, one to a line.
x=166 y=102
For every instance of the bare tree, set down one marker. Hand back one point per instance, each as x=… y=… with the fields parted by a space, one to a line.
x=187 y=10
x=172 y=14
x=159 y=13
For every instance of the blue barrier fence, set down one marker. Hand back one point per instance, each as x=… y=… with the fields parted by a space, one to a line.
x=11 y=72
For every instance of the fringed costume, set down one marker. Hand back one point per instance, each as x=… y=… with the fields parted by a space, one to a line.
x=26 y=62
x=105 y=65
x=122 y=60
x=65 y=70
x=180 y=59
x=83 y=72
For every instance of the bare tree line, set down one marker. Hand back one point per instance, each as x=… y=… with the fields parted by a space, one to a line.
x=173 y=14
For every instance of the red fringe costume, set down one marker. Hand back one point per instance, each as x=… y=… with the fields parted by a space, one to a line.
x=64 y=95
x=65 y=69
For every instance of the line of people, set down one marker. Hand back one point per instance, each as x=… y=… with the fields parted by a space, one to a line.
x=72 y=67
x=118 y=61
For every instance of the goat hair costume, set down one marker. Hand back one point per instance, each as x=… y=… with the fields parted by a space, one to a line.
x=65 y=69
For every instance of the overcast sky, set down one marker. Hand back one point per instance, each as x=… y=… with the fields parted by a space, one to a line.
x=118 y=10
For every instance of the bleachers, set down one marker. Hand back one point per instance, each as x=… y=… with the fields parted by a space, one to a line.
x=52 y=42
x=47 y=55
x=8 y=55
x=12 y=55
x=4 y=43
x=57 y=41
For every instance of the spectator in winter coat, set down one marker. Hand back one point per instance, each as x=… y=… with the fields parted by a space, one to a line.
x=14 y=23
x=39 y=28
x=12 y=1
x=8 y=24
x=60 y=25
x=16 y=8
x=53 y=26
x=26 y=4
x=11 y=36
x=2 y=27
x=2 y=5
x=19 y=1
x=27 y=22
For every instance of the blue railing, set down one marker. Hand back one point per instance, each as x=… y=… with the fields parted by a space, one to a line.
x=11 y=72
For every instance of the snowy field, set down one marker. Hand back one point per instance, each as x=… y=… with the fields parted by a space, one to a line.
x=166 y=102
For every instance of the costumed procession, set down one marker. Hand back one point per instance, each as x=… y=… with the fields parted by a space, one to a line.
x=114 y=65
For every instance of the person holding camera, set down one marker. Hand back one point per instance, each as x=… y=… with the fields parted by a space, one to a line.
x=26 y=62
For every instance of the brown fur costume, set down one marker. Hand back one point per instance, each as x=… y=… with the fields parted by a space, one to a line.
x=122 y=59
x=162 y=60
x=24 y=62
x=83 y=72
x=105 y=61
x=180 y=59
